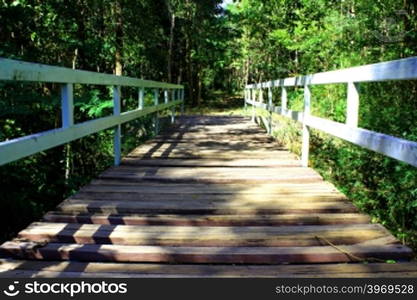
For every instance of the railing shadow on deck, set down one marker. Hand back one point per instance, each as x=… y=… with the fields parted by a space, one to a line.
x=102 y=234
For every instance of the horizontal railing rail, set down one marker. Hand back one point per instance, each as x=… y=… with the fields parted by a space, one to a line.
x=394 y=147
x=13 y=70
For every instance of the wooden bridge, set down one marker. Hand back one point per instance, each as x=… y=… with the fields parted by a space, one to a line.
x=212 y=196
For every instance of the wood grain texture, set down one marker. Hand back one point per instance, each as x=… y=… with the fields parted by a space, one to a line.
x=277 y=236
x=204 y=207
x=237 y=255
x=24 y=269
x=212 y=197
x=207 y=220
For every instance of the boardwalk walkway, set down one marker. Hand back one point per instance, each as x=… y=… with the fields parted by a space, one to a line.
x=214 y=196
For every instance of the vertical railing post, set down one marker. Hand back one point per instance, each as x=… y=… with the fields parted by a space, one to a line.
x=270 y=108
x=141 y=95
x=173 y=107
x=253 y=104
x=67 y=105
x=118 y=129
x=67 y=111
x=182 y=99
x=305 y=147
x=165 y=96
x=245 y=95
x=352 y=114
x=284 y=101
x=156 y=117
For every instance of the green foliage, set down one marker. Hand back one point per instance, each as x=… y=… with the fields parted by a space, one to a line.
x=282 y=38
x=208 y=50
x=93 y=106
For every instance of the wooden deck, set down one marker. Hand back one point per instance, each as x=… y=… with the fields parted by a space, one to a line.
x=212 y=197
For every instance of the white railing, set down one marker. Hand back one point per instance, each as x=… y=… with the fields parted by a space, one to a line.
x=403 y=69
x=13 y=70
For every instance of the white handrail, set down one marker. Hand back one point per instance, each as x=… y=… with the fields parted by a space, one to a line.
x=13 y=70
x=402 y=69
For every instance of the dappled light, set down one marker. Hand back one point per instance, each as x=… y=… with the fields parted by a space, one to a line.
x=207 y=214
x=208 y=138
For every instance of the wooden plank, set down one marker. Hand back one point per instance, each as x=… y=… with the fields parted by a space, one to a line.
x=49 y=269
x=212 y=175
x=212 y=132
x=208 y=220
x=177 y=135
x=186 y=198
x=198 y=139
x=385 y=240
x=195 y=207
x=25 y=71
x=388 y=145
x=266 y=163
x=232 y=145
x=241 y=236
x=19 y=268
x=238 y=255
x=207 y=155
x=98 y=185
x=264 y=149
x=21 y=147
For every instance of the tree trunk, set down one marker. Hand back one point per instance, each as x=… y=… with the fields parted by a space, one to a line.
x=246 y=76
x=119 y=38
x=189 y=69
x=199 y=87
x=171 y=41
x=80 y=59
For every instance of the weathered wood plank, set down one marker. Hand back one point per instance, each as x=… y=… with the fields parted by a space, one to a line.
x=276 y=236
x=186 y=198
x=24 y=269
x=209 y=154
x=208 y=220
x=264 y=163
x=188 y=137
x=212 y=175
x=103 y=185
x=264 y=255
x=195 y=207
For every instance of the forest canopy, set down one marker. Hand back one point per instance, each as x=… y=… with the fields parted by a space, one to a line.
x=214 y=50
